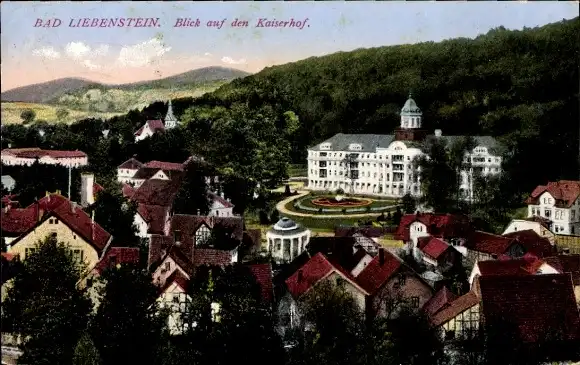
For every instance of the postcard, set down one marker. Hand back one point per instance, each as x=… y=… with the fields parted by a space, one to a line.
x=422 y=158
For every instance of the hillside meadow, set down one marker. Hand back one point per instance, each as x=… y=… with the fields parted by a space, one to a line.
x=11 y=113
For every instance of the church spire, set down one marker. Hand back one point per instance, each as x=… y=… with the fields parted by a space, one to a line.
x=170 y=120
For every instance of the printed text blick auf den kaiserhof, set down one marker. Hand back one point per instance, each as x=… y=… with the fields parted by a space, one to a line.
x=175 y=23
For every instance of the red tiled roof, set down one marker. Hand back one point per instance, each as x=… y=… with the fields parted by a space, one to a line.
x=157 y=192
x=155 y=216
x=131 y=164
x=441 y=300
x=263 y=275
x=189 y=224
x=438 y=225
x=178 y=278
x=219 y=199
x=20 y=221
x=535 y=304
x=564 y=192
x=316 y=269
x=375 y=275
x=158 y=244
x=566 y=264
x=38 y=153
x=154 y=125
x=488 y=243
x=211 y=257
x=433 y=246
x=533 y=243
x=97 y=188
x=116 y=256
x=9 y=199
x=507 y=267
x=127 y=190
x=8 y=256
x=169 y=166
x=454 y=308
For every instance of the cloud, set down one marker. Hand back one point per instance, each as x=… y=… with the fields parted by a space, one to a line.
x=231 y=61
x=91 y=65
x=143 y=54
x=46 y=52
x=207 y=54
x=77 y=50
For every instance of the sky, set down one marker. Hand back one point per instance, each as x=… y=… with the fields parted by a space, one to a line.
x=119 y=55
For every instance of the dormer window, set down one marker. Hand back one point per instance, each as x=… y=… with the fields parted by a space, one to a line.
x=355 y=147
x=325 y=146
x=202 y=235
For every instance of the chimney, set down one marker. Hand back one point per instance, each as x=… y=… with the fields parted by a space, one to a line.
x=222 y=195
x=381 y=256
x=300 y=275
x=87 y=192
x=438 y=133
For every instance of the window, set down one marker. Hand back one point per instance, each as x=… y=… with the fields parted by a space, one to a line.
x=558 y=214
x=53 y=235
x=78 y=255
x=402 y=280
x=167 y=266
x=202 y=235
x=29 y=251
x=572 y=214
x=175 y=299
x=547 y=213
x=414 y=302
x=340 y=282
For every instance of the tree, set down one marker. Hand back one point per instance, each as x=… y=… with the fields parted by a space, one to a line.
x=409 y=204
x=126 y=328
x=274 y=216
x=193 y=197
x=85 y=352
x=45 y=306
x=397 y=216
x=27 y=116
x=62 y=113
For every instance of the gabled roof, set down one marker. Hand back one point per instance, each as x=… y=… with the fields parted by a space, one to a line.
x=127 y=190
x=145 y=173
x=154 y=126
x=263 y=275
x=211 y=257
x=375 y=275
x=116 y=256
x=35 y=152
x=162 y=165
x=433 y=247
x=69 y=213
x=177 y=278
x=131 y=164
x=488 y=243
x=454 y=308
x=533 y=243
x=314 y=271
x=438 y=225
x=536 y=305
x=16 y=221
x=564 y=192
x=189 y=224
x=441 y=300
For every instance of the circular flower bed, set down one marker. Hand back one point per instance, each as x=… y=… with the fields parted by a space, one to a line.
x=341 y=203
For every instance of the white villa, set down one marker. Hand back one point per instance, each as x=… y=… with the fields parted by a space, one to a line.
x=559 y=203
x=373 y=164
x=153 y=126
x=27 y=156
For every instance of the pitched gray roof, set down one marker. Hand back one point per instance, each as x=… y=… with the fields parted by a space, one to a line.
x=369 y=142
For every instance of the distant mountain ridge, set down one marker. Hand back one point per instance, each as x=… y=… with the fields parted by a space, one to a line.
x=50 y=91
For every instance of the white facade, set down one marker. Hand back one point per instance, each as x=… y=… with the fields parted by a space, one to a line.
x=27 y=156
x=517 y=225
x=287 y=240
x=87 y=190
x=146 y=132
x=381 y=165
x=565 y=221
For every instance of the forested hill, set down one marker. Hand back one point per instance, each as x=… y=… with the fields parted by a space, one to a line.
x=523 y=84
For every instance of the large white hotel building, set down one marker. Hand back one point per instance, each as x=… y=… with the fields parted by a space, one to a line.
x=382 y=165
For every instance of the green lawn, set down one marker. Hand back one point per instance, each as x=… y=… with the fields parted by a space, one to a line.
x=297 y=170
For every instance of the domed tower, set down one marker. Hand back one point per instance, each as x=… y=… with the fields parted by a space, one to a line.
x=170 y=120
x=411 y=115
x=411 y=122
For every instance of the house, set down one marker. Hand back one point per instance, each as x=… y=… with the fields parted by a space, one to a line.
x=449 y=227
x=127 y=170
x=174 y=298
x=438 y=302
x=392 y=284
x=263 y=275
x=459 y=318
x=148 y=129
x=487 y=246
x=438 y=253
x=220 y=207
x=524 y=266
x=60 y=218
x=533 y=243
x=287 y=239
x=373 y=164
x=367 y=237
x=563 y=264
x=28 y=156
x=317 y=269
x=538 y=224
x=114 y=257
x=8 y=183
x=559 y=202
